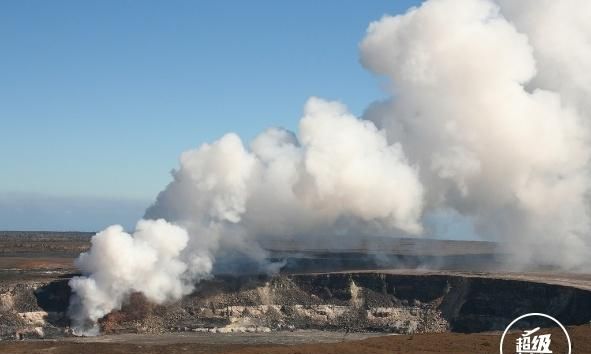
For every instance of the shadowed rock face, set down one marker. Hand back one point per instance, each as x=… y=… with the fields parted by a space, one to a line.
x=338 y=301
x=490 y=304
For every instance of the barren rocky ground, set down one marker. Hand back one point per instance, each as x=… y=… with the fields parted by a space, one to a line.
x=411 y=344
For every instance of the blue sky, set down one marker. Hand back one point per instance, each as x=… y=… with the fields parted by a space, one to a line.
x=99 y=98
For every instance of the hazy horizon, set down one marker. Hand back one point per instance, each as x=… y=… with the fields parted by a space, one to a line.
x=101 y=98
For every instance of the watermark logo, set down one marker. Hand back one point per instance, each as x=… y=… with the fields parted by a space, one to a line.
x=534 y=341
x=539 y=344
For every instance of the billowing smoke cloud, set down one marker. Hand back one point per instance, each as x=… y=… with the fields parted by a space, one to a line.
x=340 y=175
x=487 y=120
x=340 y=171
x=149 y=261
x=478 y=105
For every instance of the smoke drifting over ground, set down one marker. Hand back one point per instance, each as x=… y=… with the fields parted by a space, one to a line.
x=488 y=119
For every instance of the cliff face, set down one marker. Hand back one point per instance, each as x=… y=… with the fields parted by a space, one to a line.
x=342 y=301
x=483 y=304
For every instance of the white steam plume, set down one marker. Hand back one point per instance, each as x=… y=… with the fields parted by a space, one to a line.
x=488 y=119
x=225 y=198
x=149 y=261
x=498 y=137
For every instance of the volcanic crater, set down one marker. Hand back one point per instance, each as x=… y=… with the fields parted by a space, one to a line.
x=300 y=297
